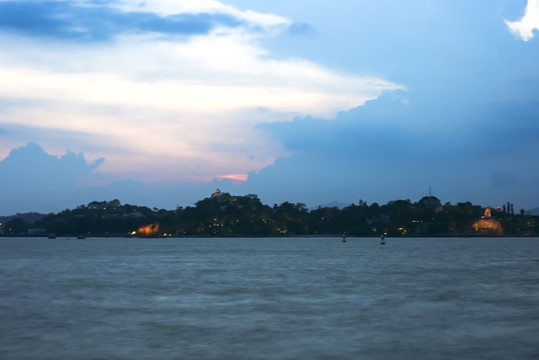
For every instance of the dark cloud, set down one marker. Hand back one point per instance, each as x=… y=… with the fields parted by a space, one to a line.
x=32 y=16
x=31 y=177
x=32 y=159
x=68 y=21
x=387 y=149
x=33 y=180
x=375 y=129
x=368 y=150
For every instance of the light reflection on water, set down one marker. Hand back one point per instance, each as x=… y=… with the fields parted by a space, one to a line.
x=291 y=298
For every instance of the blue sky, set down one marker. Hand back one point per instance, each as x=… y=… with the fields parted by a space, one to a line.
x=159 y=103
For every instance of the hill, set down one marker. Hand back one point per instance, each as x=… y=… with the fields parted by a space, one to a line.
x=224 y=215
x=28 y=218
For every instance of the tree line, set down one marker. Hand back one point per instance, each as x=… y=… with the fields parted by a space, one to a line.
x=225 y=215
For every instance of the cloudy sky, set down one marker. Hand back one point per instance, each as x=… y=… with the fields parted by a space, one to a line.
x=159 y=103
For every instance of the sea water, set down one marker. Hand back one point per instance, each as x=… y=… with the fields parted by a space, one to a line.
x=285 y=298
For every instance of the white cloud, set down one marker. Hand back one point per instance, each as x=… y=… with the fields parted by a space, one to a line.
x=169 y=109
x=171 y=7
x=525 y=27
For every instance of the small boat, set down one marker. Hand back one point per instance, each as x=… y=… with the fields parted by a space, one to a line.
x=52 y=236
x=81 y=236
x=382 y=239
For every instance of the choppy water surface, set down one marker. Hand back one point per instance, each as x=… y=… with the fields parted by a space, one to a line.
x=306 y=298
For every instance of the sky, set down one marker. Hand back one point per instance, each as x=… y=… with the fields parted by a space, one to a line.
x=159 y=103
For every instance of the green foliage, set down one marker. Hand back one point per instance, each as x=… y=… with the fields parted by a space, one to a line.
x=225 y=215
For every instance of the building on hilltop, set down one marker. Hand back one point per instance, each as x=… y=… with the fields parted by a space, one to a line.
x=488 y=225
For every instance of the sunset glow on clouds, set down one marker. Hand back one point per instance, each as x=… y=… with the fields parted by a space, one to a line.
x=188 y=100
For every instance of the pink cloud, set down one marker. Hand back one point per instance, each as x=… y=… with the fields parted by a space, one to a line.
x=234 y=177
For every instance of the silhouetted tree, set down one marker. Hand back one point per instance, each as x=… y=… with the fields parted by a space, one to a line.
x=16 y=226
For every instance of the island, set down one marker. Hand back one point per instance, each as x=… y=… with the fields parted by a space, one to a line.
x=226 y=215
